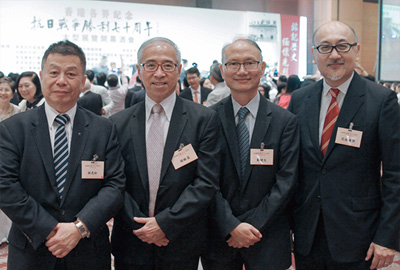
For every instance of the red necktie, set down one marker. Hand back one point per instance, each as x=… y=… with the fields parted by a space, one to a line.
x=330 y=120
x=196 y=99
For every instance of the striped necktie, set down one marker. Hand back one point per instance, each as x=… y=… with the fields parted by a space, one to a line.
x=243 y=139
x=61 y=152
x=330 y=120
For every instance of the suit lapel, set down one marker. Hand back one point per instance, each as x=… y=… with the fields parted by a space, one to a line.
x=176 y=127
x=202 y=95
x=351 y=104
x=138 y=131
x=80 y=135
x=312 y=115
x=226 y=114
x=40 y=133
x=263 y=120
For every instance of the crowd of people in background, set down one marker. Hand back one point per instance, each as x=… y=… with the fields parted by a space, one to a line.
x=119 y=91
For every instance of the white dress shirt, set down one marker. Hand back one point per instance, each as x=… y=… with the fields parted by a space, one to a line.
x=250 y=119
x=51 y=115
x=198 y=94
x=165 y=117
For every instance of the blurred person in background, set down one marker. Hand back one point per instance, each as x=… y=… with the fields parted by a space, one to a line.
x=6 y=93
x=29 y=91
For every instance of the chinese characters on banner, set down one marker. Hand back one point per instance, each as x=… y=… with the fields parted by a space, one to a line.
x=289 y=63
x=95 y=25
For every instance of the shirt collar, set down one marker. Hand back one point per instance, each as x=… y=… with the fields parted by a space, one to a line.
x=51 y=114
x=167 y=104
x=252 y=106
x=343 y=87
x=198 y=89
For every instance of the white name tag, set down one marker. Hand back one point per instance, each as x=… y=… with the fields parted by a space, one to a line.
x=349 y=137
x=262 y=157
x=92 y=169
x=183 y=156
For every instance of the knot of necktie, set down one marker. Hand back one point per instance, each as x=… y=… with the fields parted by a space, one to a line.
x=62 y=119
x=242 y=113
x=157 y=108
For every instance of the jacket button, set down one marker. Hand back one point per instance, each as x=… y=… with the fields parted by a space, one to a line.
x=62 y=212
x=319 y=197
x=323 y=171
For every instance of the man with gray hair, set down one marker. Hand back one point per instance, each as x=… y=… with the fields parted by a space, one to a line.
x=220 y=91
x=249 y=218
x=171 y=152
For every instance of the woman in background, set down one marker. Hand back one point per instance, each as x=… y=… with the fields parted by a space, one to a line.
x=7 y=110
x=29 y=91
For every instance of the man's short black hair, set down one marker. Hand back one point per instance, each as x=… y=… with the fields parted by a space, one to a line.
x=193 y=70
x=66 y=47
x=112 y=80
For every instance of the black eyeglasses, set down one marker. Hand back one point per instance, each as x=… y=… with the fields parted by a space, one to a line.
x=166 y=67
x=235 y=66
x=340 y=48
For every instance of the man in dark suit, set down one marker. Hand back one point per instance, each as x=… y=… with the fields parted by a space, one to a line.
x=249 y=218
x=138 y=87
x=89 y=100
x=138 y=96
x=163 y=224
x=59 y=212
x=346 y=212
x=195 y=92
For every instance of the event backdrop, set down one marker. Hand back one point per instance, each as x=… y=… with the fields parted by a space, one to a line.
x=114 y=31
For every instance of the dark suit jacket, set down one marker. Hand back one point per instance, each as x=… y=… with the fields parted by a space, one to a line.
x=183 y=195
x=262 y=198
x=129 y=95
x=137 y=97
x=92 y=102
x=187 y=93
x=358 y=206
x=29 y=195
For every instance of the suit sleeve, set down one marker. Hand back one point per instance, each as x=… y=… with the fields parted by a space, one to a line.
x=387 y=234
x=109 y=199
x=197 y=196
x=24 y=211
x=286 y=179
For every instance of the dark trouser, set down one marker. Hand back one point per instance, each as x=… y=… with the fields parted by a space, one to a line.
x=235 y=264
x=187 y=264
x=320 y=258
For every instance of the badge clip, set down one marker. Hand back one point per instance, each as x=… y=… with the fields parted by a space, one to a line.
x=351 y=125
x=95 y=158
x=262 y=146
x=181 y=146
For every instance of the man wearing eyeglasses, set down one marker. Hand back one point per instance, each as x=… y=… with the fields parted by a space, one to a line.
x=171 y=152
x=249 y=219
x=347 y=210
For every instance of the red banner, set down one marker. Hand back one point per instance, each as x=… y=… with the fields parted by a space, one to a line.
x=290 y=36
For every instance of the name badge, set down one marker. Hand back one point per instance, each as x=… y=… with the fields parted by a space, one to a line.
x=349 y=137
x=261 y=156
x=92 y=169
x=184 y=155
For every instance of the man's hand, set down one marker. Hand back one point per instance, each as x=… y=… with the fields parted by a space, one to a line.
x=103 y=112
x=63 y=239
x=383 y=257
x=244 y=235
x=150 y=233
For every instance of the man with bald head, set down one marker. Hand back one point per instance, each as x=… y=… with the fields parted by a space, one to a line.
x=170 y=148
x=259 y=158
x=347 y=202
